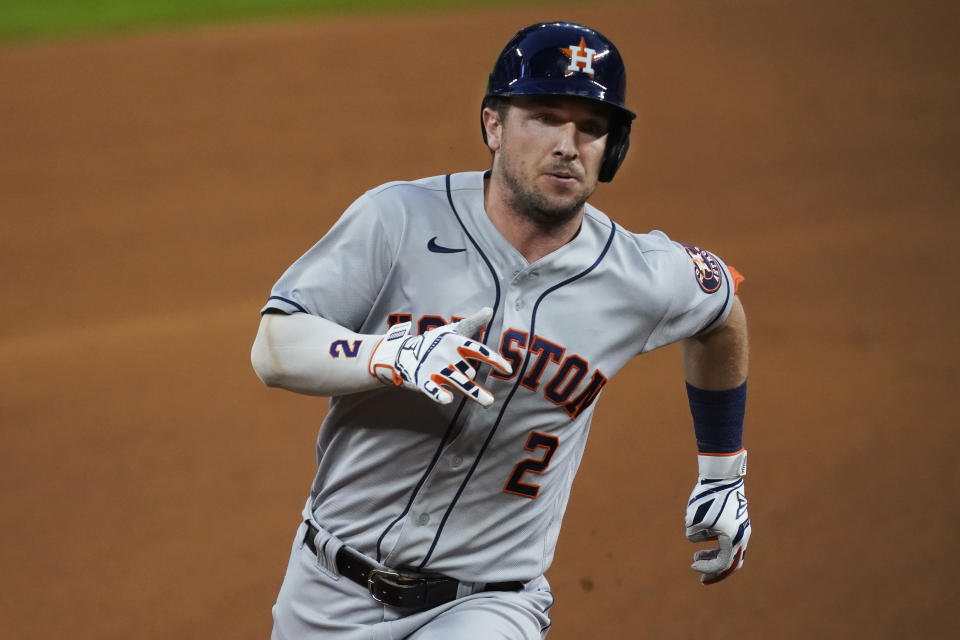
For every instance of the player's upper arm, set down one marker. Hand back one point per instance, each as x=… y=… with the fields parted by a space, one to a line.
x=700 y=292
x=341 y=276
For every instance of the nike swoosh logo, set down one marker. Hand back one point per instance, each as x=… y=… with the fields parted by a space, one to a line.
x=436 y=248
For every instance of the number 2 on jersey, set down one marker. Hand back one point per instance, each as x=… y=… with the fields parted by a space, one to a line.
x=515 y=484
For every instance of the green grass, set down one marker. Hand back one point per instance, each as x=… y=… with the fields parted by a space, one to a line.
x=33 y=19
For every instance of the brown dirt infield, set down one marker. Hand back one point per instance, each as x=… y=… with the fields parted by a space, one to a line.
x=152 y=188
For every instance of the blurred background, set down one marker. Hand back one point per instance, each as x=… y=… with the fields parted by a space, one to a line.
x=162 y=163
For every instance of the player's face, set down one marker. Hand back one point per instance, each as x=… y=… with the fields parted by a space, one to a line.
x=548 y=155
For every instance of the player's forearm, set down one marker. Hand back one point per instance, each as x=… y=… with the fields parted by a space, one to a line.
x=718 y=360
x=716 y=369
x=311 y=355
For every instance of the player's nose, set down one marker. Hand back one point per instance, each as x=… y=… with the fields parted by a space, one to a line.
x=565 y=141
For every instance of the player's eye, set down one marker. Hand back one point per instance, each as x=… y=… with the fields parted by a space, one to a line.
x=595 y=128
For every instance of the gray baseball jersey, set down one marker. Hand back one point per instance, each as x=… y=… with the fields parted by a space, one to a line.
x=478 y=493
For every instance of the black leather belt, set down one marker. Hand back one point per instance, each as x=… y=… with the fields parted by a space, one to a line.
x=397 y=589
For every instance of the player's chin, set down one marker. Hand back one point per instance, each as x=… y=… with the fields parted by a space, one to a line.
x=556 y=211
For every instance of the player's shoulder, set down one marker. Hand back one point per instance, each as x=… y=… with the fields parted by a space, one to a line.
x=400 y=201
x=390 y=202
x=402 y=188
x=655 y=254
x=653 y=242
x=672 y=259
x=659 y=252
x=428 y=188
x=642 y=244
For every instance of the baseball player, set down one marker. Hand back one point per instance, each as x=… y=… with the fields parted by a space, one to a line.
x=464 y=326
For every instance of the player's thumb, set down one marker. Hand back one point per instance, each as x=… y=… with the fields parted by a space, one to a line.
x=713 y=560
x=469 y=326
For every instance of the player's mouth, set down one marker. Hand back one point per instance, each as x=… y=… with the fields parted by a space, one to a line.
x=563 y=177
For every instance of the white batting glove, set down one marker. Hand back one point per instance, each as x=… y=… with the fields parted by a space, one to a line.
x=436 y=361
x=717 y=510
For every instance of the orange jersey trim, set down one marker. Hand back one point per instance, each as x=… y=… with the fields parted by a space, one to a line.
x=738 y=278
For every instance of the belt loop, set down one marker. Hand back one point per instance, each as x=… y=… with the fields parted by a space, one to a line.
x=329 y=550
x=465 y=589
x=327 y=545
x=302 y=532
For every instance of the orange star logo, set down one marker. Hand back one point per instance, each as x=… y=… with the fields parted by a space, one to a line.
x=581 y=58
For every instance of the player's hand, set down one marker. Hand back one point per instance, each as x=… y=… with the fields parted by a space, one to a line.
x=717 y=510
x=437 y=361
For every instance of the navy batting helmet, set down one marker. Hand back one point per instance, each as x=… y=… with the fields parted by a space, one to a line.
x=567 y=59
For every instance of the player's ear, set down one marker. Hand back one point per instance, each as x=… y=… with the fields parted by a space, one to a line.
x=493 y=126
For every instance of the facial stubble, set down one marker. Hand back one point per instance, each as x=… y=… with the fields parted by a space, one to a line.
x=533 y=204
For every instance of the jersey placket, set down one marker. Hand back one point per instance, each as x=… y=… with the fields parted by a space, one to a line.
x=418 y=529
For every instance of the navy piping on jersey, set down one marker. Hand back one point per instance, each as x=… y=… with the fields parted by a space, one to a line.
x=523 y=369
x=547 y=612
x=290 y=302
x=493 y=272
x=423 y=478
x=725 y=301
x=463 y=401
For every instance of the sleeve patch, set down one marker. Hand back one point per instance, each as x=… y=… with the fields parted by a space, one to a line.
x=705 y=268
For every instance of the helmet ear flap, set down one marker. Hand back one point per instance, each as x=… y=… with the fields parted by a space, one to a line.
x=618 y=141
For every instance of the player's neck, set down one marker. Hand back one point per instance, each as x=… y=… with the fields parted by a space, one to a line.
x=532 y=240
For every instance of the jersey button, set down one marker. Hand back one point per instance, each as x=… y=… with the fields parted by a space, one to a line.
x=456 y=461
x=518 y=305
x=423 y=519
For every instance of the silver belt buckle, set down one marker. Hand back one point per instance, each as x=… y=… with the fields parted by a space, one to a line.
x=379 y=573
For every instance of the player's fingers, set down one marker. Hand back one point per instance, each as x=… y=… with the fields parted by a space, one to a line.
x=714 y=578
x=479 y=395
x=711 y=561
x=435 y=390
x=701 y=535
x=456 y=379
x=475 y=351
x=463 y=372
x=706 y=555
x=469 y=326
x=462 y=380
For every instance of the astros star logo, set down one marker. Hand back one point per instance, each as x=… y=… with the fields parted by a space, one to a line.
x=702 y=265
x=705 y=268
x=581 y=58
